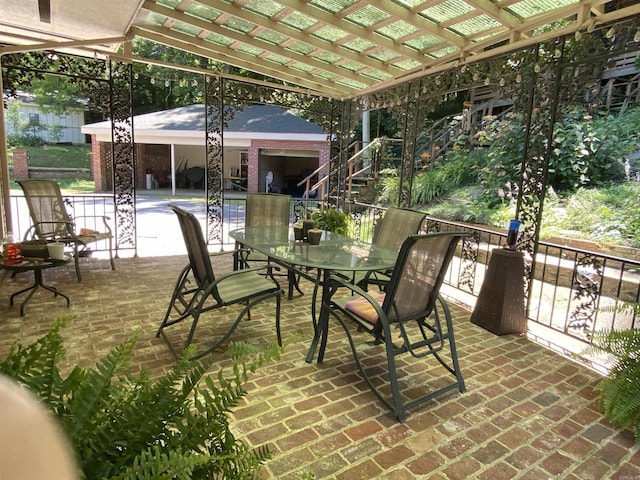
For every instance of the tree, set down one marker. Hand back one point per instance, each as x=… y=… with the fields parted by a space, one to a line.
x=56 y=94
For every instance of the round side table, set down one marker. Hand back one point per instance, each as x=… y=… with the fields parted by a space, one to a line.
x=37 y=267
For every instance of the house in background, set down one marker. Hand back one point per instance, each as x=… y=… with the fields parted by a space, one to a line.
x=47 y=126
x=264 y=147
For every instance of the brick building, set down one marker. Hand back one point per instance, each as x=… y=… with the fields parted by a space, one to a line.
x=261 y=143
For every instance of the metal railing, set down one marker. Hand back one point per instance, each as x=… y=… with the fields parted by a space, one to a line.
x=90 y=207
x=573 y=291
x=356 y=164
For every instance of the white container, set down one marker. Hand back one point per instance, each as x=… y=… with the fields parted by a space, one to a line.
x=56 y=250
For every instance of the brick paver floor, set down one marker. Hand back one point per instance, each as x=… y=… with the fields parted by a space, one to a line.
x=527 y=413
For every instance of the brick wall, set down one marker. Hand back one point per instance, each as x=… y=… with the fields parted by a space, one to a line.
x=323 y=149
x=20 y=165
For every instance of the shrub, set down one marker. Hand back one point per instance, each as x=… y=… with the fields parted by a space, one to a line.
x=619 y=391
x=446 y=174
x=588 y=149
x=132 y=427
x=608 y=215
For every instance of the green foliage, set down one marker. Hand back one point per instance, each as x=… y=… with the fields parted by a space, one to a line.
x=333 y=220
x=588 y=149
x=389 y=185
x=465 y=205
x=620 y=390
x=124 y=426
x=609 y=214
x=445 y=175
x=61 y=156
x=22 y=132
x=499 y=170
x=56 y=94
x=156 y=87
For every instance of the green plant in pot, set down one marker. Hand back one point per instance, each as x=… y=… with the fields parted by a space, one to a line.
x=128 y=426
x=332 y=220
x=619 y=391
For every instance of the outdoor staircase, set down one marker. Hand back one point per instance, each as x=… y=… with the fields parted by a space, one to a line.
x=620 y=83
x=620 y=87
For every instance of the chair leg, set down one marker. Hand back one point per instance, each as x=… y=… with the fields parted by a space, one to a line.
x=278 y=333
x=452 y=346
x=76 y=259
x=397 y=404
x=175 y=297
x=247 y=308
x=113 y=264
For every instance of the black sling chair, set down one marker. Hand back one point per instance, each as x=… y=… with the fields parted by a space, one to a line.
x=409 y=318
x=198 y=290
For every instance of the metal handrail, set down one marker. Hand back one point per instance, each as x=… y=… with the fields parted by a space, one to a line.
x=320 y=185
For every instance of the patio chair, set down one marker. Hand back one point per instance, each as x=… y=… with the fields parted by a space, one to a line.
x=390 y=232
x=410 y=318
x=266 y=209
x=52 y=222
x=199 y=290
x=263 y=209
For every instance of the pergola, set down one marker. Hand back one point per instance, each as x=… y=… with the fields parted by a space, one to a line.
x=334 y=48
x=349 y=55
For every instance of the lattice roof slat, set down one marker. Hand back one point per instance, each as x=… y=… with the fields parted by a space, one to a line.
x=337 y=48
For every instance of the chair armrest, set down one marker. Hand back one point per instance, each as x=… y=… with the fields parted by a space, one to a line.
x=233 y=273
x=223 y=252
x=337 y=280
x=32 y=230
x=378 y=327
x=103 y=217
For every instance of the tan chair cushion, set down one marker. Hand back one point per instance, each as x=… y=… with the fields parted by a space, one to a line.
x=364 y=309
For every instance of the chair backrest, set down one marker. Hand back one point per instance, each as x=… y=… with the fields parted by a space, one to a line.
x=46 y=207
x=267 y=209
x=196 y=247
x=420 y=269
x=396 y=225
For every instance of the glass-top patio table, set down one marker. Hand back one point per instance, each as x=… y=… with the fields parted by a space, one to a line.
x=334 y=253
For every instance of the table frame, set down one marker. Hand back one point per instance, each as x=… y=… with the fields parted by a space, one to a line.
x=37 y=266
x=301 y=265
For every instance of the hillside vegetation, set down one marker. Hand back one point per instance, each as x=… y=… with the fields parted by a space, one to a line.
x=593 y=183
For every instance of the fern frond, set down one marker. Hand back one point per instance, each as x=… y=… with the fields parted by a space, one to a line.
x=89 y=401
x=126 y=426
x=34 y=365
x=156 y=464
x=620 y=390
x=619 y=343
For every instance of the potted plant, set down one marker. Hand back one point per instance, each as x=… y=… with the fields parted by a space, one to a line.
x=332 y=220
x=130 y=426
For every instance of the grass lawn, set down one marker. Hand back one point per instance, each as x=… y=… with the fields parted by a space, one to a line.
x=61 y=156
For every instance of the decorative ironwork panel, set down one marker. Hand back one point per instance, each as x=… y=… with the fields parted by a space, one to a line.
x=20 y=69
x=122 y=145
x=214 y=101
x=411 y=124
x=223 y=98
x=338 y=171
x=587 y=281
x=365 y=220
x=108 y=87
x=469 y=261
x=432 y=225
x=299 y=209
